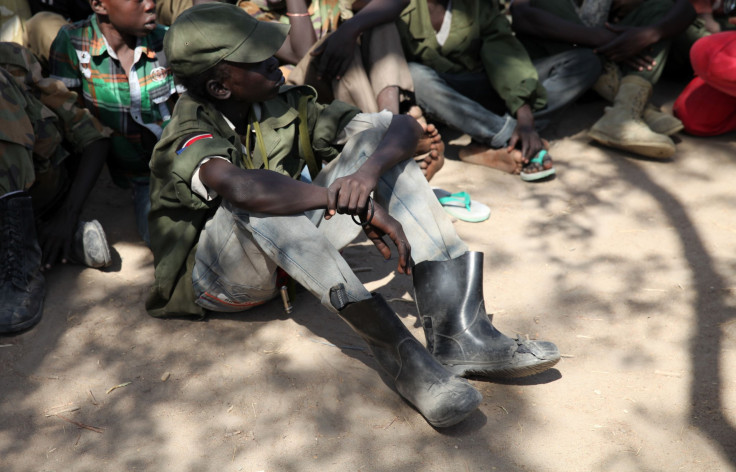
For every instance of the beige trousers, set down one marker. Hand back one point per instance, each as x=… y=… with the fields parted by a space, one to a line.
x=378 y=62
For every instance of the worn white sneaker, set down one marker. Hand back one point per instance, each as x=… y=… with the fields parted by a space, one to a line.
x=90 y=245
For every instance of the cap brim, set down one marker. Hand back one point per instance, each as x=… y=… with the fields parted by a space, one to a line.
x=262 y=43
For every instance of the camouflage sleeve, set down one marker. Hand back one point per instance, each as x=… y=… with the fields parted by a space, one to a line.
x=63 y=60
x=16 y=137
x=79 y=126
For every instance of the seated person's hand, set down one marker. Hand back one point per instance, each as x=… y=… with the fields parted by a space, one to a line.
x=377 y=223
x=334 y=55
x=56 y=237
x=350 y=194
x=525 y=134
x=630 y=46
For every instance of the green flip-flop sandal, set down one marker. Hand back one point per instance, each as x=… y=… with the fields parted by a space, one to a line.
x=542 y=174
x=462 y=207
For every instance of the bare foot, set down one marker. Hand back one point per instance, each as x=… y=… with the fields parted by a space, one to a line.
x=500 y=159
x=429 y=139
x=432 y=161
x=416 y=113
x=430 y=153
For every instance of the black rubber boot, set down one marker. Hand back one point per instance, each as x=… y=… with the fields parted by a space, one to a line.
x=442 y=398
x=22 y=289
x=449 y=296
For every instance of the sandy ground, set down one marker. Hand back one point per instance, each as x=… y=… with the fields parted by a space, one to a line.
x=627 y=264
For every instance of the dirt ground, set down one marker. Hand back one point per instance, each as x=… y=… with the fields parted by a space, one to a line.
x=629 y=265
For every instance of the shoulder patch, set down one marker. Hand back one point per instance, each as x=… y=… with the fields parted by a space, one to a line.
x=191 y=139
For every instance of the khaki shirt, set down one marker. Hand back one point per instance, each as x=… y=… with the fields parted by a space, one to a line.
x=480 y=39
x=198 y=130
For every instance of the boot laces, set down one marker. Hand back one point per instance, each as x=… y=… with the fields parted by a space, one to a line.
x=12 y=262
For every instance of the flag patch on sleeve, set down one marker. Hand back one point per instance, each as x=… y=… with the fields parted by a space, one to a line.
x=191 y=140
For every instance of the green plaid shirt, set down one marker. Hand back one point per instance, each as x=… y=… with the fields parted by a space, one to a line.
x=134 y=105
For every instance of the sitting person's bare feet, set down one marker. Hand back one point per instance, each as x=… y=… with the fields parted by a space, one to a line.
x=430 y=154
x=501 y=159
x=417 y=113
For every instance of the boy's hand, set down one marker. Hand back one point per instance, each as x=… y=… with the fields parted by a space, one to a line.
x=631 y=43
x=525 y=133
x=56 y=238
x=380 y=224
x=335 y=54
x=349 y=194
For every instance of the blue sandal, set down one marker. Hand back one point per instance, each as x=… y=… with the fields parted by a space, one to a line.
x=542 y=174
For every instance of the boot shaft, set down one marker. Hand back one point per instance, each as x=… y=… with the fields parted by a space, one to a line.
x=440 y=397
x=449 y=296
x=20 y=253
x=633 y=95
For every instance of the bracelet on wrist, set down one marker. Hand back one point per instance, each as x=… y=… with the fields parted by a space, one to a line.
x=292 y=15
x=369 y=215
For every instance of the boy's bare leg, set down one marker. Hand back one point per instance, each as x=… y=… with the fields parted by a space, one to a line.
x=501 y=159
x=388 y=99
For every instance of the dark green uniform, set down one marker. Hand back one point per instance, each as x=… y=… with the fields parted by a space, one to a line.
x=198 y=130
x=480 y=39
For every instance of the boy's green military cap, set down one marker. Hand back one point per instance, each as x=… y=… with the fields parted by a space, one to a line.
x=208 y=33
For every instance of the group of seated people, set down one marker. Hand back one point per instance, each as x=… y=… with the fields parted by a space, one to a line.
x=259 y=138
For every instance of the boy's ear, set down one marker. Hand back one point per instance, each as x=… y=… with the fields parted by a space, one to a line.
x=218 y=90
x=98 y=7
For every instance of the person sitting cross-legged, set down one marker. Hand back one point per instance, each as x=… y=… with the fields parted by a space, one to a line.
x=228 y=210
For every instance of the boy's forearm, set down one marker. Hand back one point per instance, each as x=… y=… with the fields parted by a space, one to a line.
x=301 y=35
x=542 y=24
x=91 y=163
x=375 y=12
x=680 y=16
x=261 y=191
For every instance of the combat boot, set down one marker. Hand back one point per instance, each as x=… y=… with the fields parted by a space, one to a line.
x=607 y=87
x=22 y=289
x=460 y=334
x=441 y=397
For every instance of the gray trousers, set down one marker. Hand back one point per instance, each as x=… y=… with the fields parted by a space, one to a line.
x=239 y=251
x=467 y=102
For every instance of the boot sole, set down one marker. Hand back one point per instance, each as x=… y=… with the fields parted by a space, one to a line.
x=500 y=372
x=653 y=150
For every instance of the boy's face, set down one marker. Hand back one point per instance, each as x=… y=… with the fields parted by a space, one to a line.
x=132 y=17
x=253 y=83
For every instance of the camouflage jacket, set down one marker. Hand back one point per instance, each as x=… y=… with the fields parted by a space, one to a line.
x=47 y=106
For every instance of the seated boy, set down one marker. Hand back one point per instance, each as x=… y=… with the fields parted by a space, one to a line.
x=350 y=50
x=113 y=59
x=471 y=73
x=635 y=38
x=227 y=211
x=42 y=185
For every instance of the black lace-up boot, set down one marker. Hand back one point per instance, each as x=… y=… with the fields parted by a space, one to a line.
x=22 y=289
